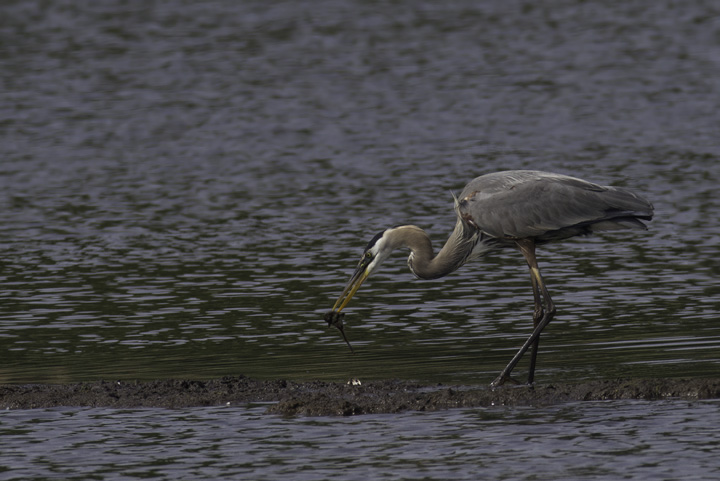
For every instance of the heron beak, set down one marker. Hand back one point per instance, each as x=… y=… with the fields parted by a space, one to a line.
x=334 y=317
x=358 y=277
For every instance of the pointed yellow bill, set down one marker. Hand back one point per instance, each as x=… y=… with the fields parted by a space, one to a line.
x=351 y=288
x=334 y=317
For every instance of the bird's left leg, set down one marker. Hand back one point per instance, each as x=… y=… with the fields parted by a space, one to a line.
x=542 y=315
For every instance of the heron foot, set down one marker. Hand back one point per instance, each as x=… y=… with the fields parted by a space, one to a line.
x=502 y=379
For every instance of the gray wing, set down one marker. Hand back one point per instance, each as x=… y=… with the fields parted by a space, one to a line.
x=546 y=206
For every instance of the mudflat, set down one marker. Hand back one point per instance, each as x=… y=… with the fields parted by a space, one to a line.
x=317 y=398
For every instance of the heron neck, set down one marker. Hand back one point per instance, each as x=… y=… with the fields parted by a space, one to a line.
x=424 y=263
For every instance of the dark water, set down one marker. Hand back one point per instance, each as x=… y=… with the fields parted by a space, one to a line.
x=186 y=186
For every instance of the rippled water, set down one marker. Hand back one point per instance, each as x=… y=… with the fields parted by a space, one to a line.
x=631 y=440
x=186 y=186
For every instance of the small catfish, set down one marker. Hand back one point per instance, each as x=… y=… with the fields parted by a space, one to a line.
x=335 y=318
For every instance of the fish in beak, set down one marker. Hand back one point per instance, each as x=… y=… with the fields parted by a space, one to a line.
x=334 y=317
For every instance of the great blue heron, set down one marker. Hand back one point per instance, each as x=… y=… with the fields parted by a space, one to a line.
x=518 y=209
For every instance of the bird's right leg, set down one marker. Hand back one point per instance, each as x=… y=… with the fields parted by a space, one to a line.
x=538 y=314
x=542 y=315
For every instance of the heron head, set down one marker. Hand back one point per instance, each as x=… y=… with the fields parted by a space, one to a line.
x=374 y=254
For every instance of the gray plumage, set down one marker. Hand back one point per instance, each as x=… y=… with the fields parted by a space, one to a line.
x=546 y=206
x=495 y=210
x=518 y=209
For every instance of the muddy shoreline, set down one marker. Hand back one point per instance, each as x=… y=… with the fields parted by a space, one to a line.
x=317 y=398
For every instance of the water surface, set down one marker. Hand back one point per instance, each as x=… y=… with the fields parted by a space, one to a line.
x=591 y=440
x=185 y=188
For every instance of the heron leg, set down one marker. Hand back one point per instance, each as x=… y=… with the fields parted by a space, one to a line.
x=537 y=316
x=542 y=315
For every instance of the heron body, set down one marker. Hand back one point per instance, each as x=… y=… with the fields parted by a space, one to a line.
x=513 y=209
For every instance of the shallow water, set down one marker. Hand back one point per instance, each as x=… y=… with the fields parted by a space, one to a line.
x=591 y=440
x=186 y=187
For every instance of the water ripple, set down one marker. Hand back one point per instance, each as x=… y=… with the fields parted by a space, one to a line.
x=187 y=188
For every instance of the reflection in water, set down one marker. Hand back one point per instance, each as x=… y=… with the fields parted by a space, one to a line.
x=186 y=188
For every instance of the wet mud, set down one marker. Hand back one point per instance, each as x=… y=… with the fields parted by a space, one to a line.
x=323 y=398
